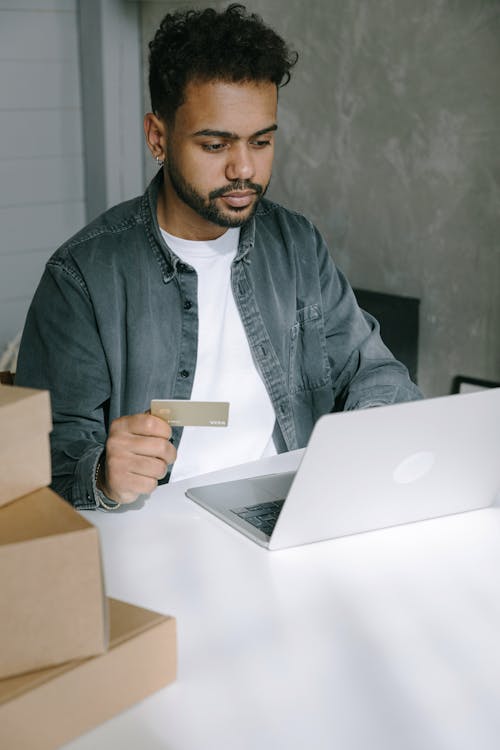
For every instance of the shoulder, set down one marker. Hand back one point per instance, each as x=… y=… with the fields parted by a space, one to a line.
x=106 y=243
x=270 y=212
x=289 y=228
x=104 y=234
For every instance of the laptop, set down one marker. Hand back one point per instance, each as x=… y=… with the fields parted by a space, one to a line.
x=370 y=469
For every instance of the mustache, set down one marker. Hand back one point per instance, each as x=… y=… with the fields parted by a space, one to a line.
x=237 y=185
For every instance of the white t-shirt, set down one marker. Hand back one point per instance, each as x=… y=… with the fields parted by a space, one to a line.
x=225 y=370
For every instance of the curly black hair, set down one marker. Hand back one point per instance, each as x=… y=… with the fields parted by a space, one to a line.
x=209 y=45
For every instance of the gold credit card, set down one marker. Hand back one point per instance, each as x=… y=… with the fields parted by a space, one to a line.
x=183 y=413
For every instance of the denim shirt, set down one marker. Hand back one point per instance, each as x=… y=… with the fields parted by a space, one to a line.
x=114 y=324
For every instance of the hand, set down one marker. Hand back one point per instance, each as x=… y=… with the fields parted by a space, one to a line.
x=138 y=453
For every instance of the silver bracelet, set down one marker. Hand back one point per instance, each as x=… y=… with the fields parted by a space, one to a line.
x=102 y=500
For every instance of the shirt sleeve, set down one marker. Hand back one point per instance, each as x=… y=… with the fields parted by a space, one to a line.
x=364 y=371
x=61 y=351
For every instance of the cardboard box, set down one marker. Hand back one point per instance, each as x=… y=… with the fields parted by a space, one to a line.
x=45 y=709
x=52 y=602
x=26 y=421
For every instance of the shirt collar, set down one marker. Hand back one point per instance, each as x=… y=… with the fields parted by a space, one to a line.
x=150 y=201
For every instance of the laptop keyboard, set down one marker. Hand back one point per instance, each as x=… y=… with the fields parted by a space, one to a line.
x=263 y=515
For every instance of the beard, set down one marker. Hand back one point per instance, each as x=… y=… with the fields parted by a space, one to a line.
x=206 y=207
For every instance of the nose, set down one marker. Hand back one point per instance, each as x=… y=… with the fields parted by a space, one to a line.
x=240 y=165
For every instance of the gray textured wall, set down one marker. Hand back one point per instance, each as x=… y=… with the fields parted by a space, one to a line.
x=390 y=142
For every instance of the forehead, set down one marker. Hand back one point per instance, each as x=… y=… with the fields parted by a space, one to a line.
x=240 y=108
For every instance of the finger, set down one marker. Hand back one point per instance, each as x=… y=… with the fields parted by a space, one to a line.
x=123 y=449
x=149 y=425
x=124 y=486
x=144 y=466
x=153 y=447
x=135 y=485
x=143 y=424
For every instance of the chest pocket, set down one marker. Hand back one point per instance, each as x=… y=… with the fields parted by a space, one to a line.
x=308 y=362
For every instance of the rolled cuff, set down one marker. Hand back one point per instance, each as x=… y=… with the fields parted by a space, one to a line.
x=83 y=490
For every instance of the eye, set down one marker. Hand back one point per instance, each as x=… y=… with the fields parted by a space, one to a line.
x=212 y=147
x=261 y=143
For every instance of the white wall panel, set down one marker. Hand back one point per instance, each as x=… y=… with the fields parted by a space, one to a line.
x=37 y=36
x=42 y=200
x=43 y=6
x=12 y=317
x=54 y=179
x=21 y=273
x=44 y=132
x=52 y=84
x=38 y=226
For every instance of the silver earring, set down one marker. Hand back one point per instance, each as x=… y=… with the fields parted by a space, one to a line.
x=160 y=161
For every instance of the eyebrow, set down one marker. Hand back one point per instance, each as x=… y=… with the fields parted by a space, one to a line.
x=232 y=136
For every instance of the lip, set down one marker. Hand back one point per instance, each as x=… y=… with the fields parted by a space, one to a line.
x=239 y=199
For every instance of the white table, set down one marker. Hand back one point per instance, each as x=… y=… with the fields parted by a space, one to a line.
x=386 y=640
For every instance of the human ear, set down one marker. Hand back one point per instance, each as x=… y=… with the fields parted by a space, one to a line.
x=156 y=138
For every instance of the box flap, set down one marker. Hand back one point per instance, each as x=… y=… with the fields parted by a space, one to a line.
x=39 y=514
x=126 y=622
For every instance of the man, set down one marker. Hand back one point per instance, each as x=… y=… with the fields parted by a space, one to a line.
x=200 y=289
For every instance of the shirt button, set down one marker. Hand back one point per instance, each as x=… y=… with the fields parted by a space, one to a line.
x=184 y=373
x=188 y=304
